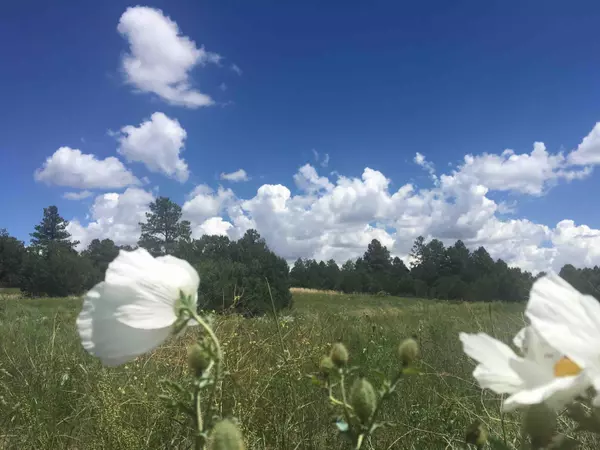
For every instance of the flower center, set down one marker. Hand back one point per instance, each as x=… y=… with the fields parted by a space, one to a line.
x=564 y=367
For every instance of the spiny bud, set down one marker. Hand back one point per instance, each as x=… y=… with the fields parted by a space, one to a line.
x=226 y=436
x=476 y=434
x=339 y=354
x=363 y=399
x=198 y=359
x=540 y=424
x=326 y=365
x=408 y=351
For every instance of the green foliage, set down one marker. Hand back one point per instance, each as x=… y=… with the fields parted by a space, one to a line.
x=57 y=271
x=585 y=280
x=52 y=229
x=12 y=252
x=452 y=273
x=100 y=253
x=240 y=276
x=164 y=231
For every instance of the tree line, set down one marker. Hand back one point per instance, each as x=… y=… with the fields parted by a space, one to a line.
x=244 y=276
x=436 y=271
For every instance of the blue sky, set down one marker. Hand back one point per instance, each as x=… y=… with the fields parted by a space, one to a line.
x=369 y=85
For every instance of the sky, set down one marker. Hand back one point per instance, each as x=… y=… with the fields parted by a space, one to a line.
x=320 y=125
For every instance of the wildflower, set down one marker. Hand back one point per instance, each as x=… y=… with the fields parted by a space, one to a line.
x=339 y=354
x=226 y=436
x=363 y=399
x=408 y=351
x=198 y=359
x=570 y=322
x=476 y=434
x=134 y=309
x=326 y=365
x=536 y=377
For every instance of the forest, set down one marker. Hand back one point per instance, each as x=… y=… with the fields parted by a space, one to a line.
x=247 y=277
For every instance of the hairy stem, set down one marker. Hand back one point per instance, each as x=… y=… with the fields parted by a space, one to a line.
x=206 y=424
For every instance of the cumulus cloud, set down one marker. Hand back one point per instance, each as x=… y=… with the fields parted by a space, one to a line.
x=157 y=143
x=203 y=203
x=72 y=168
x=420 y=160
x=113 y=216
x=160 y=58
x=77 y=195
x=325 y=218
x=215 y=226
x=237 y=176
x=588 y=152
x=528 y=173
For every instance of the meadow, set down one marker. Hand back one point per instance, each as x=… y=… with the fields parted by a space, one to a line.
x=54 y=395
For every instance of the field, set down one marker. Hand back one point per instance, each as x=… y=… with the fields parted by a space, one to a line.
x=53 y=395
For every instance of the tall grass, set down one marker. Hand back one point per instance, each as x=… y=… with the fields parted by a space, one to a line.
x=53 y=395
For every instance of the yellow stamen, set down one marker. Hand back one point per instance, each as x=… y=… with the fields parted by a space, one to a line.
x=564 y=367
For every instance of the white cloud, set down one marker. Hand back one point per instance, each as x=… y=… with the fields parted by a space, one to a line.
x=237 y=176
x=588 y=152
x=236 y=69
x=77 y=195
x=204 y=203
x=160 y=58
x=308 y=180
x=337 y=218
x=157 y=143
x=70 y=167
x=213 y=226
x=114 y=216
x=323 y=162
x=420 y=160
x=223 y=87
x=528 y=173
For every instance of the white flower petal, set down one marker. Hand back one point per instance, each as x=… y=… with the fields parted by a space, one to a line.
x=494 y=371
x=519 y=338
x=112 y=341
x=562 y=316
x=556 y=394
x=146 y=289
x=189 y=279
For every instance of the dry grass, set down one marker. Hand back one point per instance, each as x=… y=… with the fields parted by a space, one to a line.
x=300 y=290
x=53 y=395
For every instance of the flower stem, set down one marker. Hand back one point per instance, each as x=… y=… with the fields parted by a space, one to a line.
x=206 y=424
x=344 y=399
x=199 y=422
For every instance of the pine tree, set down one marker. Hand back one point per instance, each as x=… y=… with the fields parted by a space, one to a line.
x=52 y=230
x=164 y=229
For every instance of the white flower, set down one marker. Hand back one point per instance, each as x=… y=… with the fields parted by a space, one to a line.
x=540 y=376
x=569 y=321
x=133 y=310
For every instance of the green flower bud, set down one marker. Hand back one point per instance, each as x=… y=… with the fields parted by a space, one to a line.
x=226 y=436
x=540 y=424
x=339 y=354
x=476 y=434
x=326 y=365
x=198 y=359
x=363 y=399
x=408 y=351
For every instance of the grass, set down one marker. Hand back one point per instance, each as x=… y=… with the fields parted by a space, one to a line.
x=53 y=395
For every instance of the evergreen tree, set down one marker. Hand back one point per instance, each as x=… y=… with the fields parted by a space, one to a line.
x=164 y=229
x=52 y=229
x=12 y=252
